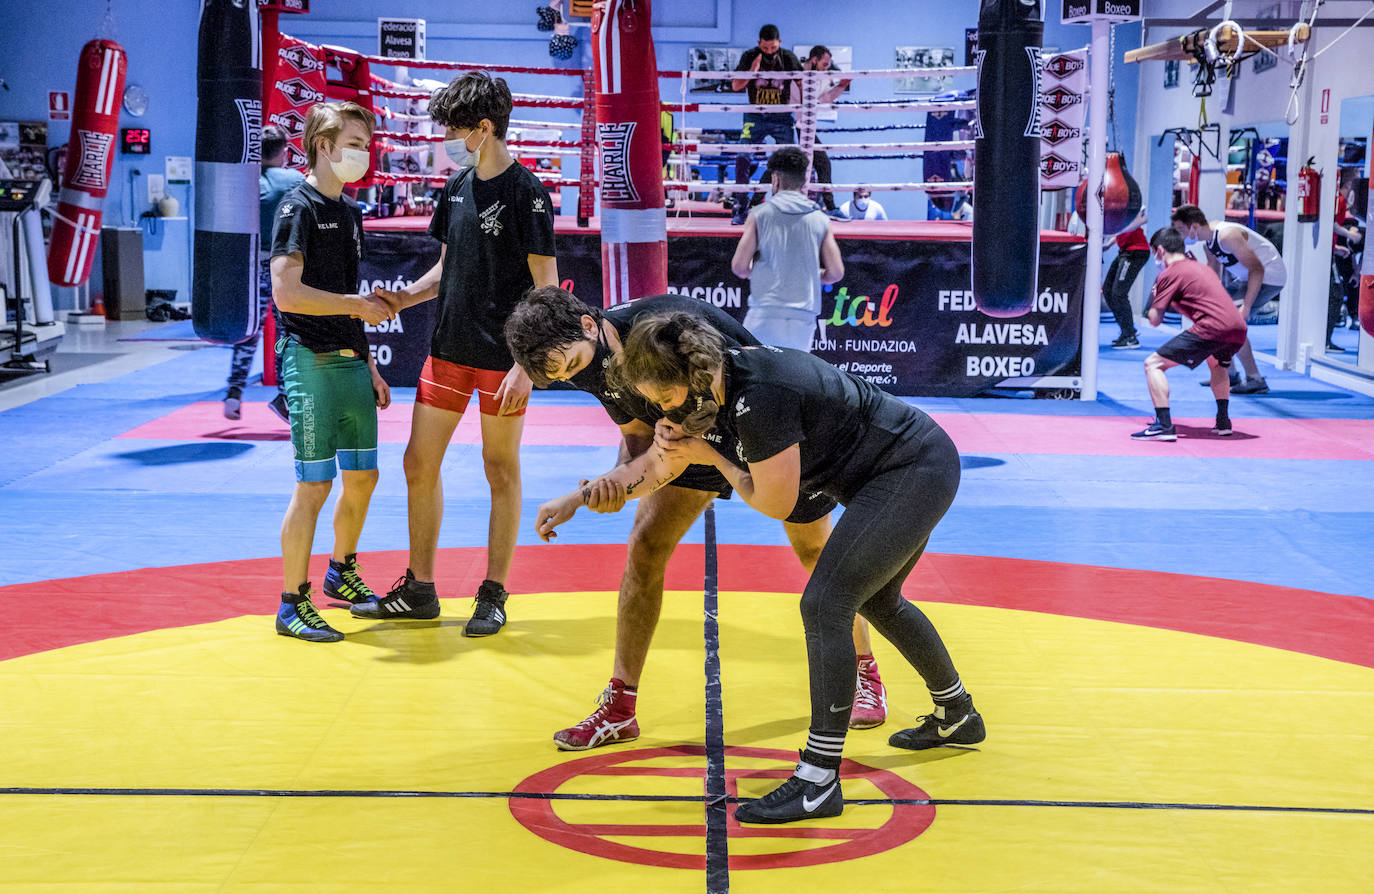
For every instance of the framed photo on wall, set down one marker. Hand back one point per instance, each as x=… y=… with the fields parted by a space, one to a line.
x=1171 y=69
x=713 y=59
x=924 y=57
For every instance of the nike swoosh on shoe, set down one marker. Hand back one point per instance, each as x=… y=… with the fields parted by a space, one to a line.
x=809 y=805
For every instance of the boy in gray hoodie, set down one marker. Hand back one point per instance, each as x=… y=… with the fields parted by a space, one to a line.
x=787 y=250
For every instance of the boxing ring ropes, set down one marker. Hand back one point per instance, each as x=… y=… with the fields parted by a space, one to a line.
x=409 y=139
x=390 y=140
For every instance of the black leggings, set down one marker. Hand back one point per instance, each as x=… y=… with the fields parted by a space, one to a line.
x=1116 y=288
x=875 y=544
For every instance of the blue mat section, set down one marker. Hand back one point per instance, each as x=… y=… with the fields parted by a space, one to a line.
x=78 y=500
x=181 y=330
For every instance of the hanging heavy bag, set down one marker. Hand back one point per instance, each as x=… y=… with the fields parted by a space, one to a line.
x=224 y=283
x=90 y=155
x=1120 y=196
x=1006 y=189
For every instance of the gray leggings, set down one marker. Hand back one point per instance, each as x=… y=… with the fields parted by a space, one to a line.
x=875 y=544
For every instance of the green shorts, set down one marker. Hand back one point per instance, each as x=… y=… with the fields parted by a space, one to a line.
x=333 y=411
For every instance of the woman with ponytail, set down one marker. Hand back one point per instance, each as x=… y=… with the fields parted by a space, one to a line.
x=776 y=423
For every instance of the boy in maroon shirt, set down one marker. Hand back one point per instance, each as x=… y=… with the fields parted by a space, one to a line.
x=1217 y=333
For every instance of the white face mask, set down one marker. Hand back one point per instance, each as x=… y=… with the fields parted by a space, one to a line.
x=352 y=164
x=462 y=156
x=861 y=204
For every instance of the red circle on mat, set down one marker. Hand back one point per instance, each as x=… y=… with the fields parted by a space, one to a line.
x=538 y=815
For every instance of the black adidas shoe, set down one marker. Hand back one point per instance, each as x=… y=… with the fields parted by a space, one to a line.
x=946 y=726
x=796 y=799
x=408 y=599
x=489 y=615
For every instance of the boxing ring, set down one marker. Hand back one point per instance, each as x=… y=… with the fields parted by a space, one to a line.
x=904 y=315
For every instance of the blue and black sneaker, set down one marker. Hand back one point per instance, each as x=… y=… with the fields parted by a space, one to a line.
x=344 y=581
x=297 y=617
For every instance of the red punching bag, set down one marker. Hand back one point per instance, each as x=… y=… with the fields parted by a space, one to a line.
x=86 y=177
x=1120 y=196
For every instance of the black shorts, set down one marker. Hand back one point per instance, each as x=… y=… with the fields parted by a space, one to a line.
x=1190 y=350
x=704 y=478
x=811 y=507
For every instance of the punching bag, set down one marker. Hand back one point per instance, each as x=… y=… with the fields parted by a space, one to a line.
x=224 y=284
x=1120 y=196
x=1006 y=172
x=90 y=155
x=634 y=228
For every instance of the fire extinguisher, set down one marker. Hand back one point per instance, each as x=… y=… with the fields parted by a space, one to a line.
x=1309 y=192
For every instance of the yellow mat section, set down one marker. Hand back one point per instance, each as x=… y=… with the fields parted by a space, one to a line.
x=1077 y=711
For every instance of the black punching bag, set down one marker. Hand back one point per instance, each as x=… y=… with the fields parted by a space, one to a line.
x=224 y=283
x=1006 y=153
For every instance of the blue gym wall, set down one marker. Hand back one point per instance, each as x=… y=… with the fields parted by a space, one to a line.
x=41 y=41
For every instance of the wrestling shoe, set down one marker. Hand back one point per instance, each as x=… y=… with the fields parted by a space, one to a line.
x=278 y=405
x=1156 y=432
x=1125 y=343
x=297 y=617
x=799 y=798
x=957 y=724
x=407 y=599
x=344 y=581
x=1251 y=386
x=612 y=721
x=870 y=696
x=489 y=615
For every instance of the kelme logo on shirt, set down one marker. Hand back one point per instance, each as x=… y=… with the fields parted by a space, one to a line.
x=287 y=209
x=537 y=206
x=741 y=407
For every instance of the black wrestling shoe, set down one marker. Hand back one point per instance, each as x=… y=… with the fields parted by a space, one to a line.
x=489 y=615
x=1156 y=432
x=796 y=799
x=946 y=726
x=1251 y=386
x=408 y=599
x=1125 y=343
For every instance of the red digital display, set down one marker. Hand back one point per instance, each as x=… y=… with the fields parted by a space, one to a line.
x=135 y=140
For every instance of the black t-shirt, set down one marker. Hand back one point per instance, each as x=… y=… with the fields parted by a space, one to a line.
x=624 y=406
x=328 y=234
x=769 y=91
x=490 y=227
x=849 y=429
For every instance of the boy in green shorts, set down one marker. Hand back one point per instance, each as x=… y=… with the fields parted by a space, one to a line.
x=332 y=385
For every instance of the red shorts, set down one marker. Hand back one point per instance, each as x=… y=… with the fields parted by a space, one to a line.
x=449 y=386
